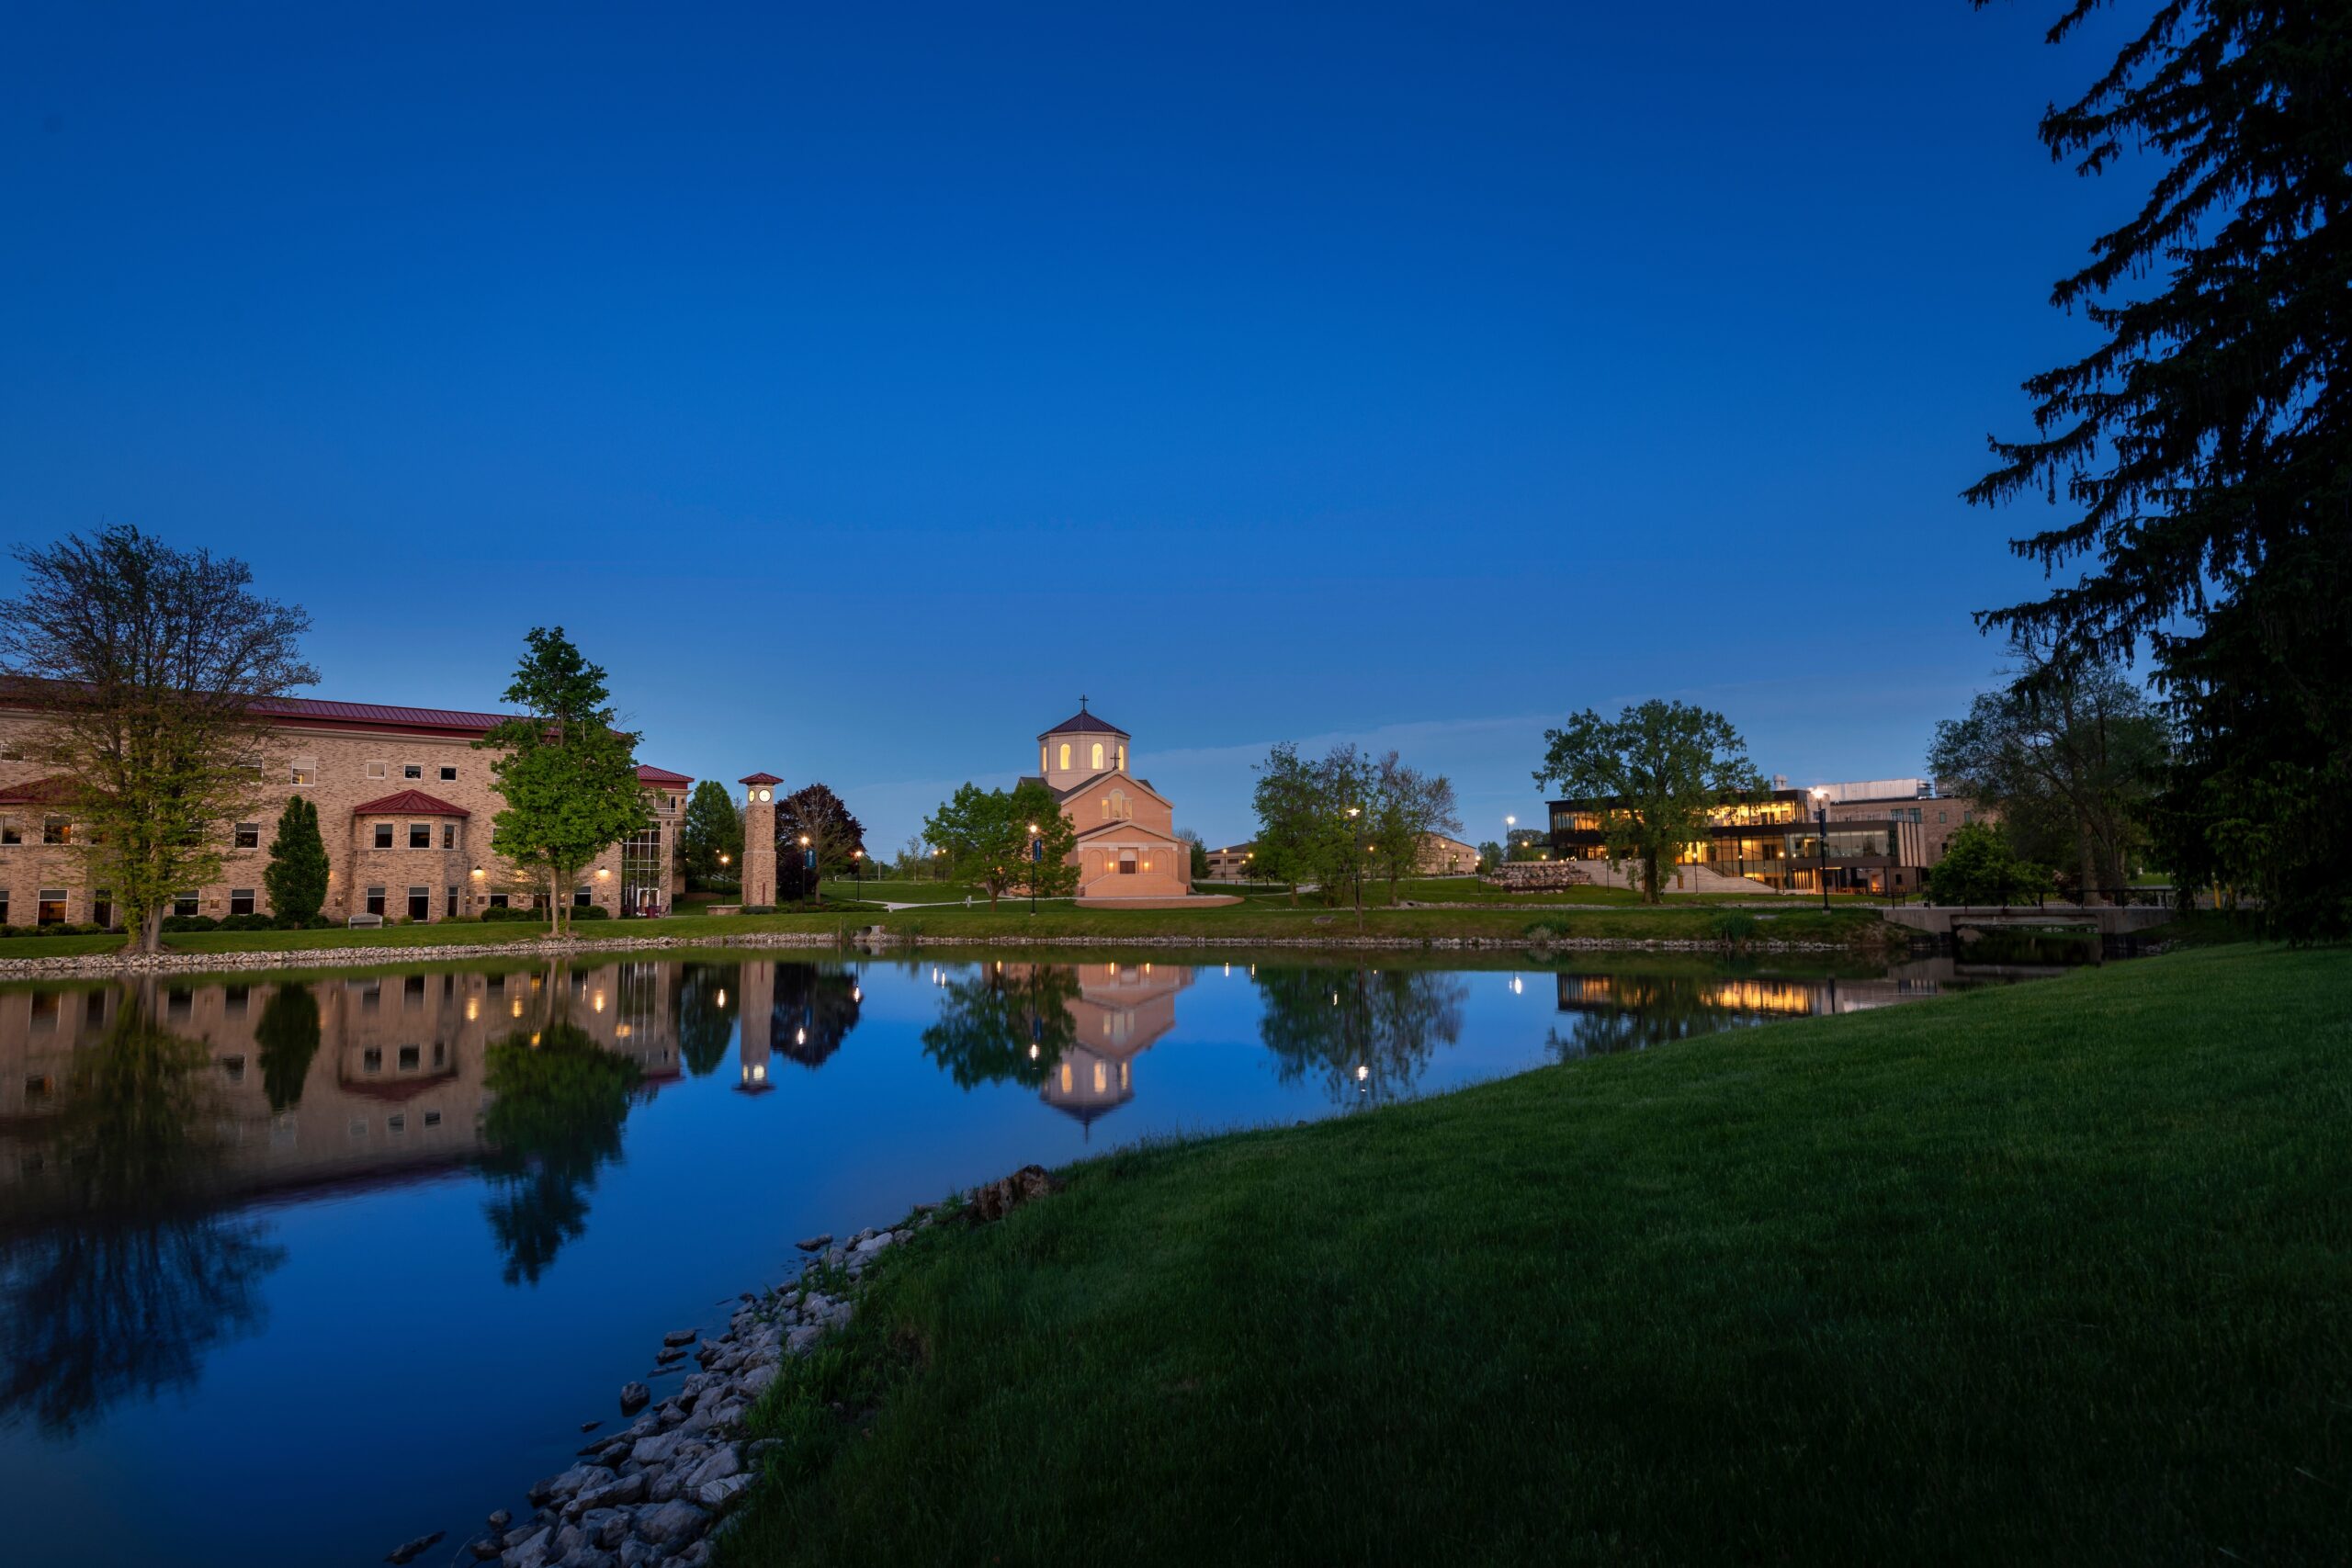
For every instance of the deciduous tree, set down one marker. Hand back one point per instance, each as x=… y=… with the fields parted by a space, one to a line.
x=1657 y=771
x=986 y=836
x=2204 y=447
x=2069 y=756
x=566 y=771
x=1408 y=808
x=711 y=833
x=149 y=664
x=815 y=813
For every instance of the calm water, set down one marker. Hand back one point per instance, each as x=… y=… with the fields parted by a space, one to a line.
x=291 y=1272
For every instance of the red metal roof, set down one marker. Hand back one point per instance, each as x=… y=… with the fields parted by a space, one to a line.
x=38 y=792
x=648 y=774
x=409 y=802
x=759 y=779
x=297 y=709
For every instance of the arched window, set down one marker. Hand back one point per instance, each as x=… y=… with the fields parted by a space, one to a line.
x=1097 y=764
x=1041 y=756
x=1123 y=756
x=1065 y=756
x=1114 y=805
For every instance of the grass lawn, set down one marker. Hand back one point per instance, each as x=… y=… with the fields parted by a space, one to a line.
x=1253 y=920
x=2060 y=1272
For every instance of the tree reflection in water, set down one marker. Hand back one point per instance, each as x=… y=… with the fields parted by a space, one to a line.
x=815 y=1010
x=706 y=996
x=1367 y=1033
x=128 y=1298
x=559 y=1099
x=1011 y=1021
x=288 y=1037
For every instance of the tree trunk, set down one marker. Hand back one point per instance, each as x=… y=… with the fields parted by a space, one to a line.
x=147 y=933
x=555 y=909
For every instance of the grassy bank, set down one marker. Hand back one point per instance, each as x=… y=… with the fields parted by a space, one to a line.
x=1253 y=920
x=2059 y=1272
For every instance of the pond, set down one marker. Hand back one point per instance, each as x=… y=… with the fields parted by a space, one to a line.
x=295 y=1268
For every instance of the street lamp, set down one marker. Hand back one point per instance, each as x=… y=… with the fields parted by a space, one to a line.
x=1356 y=868
x=1821 y=840
x=1509 y=822
x=1036 y=859
x=856 y=865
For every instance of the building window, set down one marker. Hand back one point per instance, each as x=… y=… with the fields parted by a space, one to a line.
x=233 y=999
x=432 y=1119
x=180 y=1005
x=3 y=906
x=449 y=773
x=247 y=836
x=185 y=903
x=9 y=832
x=420 y=835
x=234 y=1069
x=448 y=835
x=582 y=896
x=241 y=901
x=375 y=900
x=56 y=830
x=101 y=909
x=383 y=837
x=1095 y=757
x=380 y=769
x=413 y=991
x=498 y=901
x=305 y=774
x=1065 y=756
x=1123 y=756
x=371 y=1060
x=49 y=907
x=396 y=1122
x=449 y=909
x=412 y=1057
x=412 y=770
x=420 y=903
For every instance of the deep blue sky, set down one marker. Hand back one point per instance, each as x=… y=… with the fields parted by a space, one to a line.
x=859 y=384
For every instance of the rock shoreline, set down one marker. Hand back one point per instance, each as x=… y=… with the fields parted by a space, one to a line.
x=664 y=1488
x=106 y=966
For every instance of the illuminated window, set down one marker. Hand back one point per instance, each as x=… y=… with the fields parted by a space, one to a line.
x=1065 y=754
x=1097 y=764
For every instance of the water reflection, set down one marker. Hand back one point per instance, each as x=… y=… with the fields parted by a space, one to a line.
x=1621 y=1010
x=1364 y=1035
x=558 y=1101
x=802 y=1010
x=127 y=1300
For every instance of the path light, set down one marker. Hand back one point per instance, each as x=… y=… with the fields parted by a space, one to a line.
x=477 y=873
x=722 y=996
x=726 y=860
x=603 y=872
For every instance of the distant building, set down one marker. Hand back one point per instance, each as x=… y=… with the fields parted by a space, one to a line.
x=1441 y=856
x=404 y=803
x=1881 y=837
x=1230 y=863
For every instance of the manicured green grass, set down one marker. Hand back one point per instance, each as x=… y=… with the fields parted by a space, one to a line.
x=891 y=890
x=1254 y=919
x=2059 y=1273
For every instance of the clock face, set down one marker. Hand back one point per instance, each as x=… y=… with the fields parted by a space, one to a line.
x=764 y=794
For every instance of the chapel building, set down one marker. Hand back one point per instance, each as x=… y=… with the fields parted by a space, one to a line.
x=1127 y=846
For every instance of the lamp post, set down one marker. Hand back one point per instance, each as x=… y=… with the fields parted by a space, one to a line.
x=808 y=864
x=1821 y=842
x=1509 y=822
x=1355 y=866
x=1036 y=859
x=857 y=870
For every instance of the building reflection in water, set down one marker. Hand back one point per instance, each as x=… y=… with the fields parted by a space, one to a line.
x=800 y=1011
x=1631 y=1011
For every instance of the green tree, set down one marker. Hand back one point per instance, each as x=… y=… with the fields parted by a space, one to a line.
x=1979 y=867
x=1409 y=806
x=1196 y=850
x=704 y=999
x=989 y=838
x=296 y=875
x=287 y=1035
x=1490 y=854
x=567 y=772
x=2069 y=756
x=1655 y=774
x=2204 y=447
x=1367 y=1034
x=1310 y=820
x=148 y=665
x=710 y=835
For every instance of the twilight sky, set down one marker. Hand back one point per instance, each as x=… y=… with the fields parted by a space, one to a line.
x=859 y=384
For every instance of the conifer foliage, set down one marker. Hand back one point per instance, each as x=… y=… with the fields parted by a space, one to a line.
x=2204 y=448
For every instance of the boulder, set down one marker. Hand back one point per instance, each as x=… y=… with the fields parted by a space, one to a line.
x=1001 y=1197
x=634 y=1396
x=720 y=1495
x=815 y=1243
x=408 y=1551
x=674 y=1524
x=682 y=1336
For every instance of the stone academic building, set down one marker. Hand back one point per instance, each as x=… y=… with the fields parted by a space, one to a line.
x=404 y=804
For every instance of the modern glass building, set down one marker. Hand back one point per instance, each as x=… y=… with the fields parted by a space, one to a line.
x=1773 y=837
